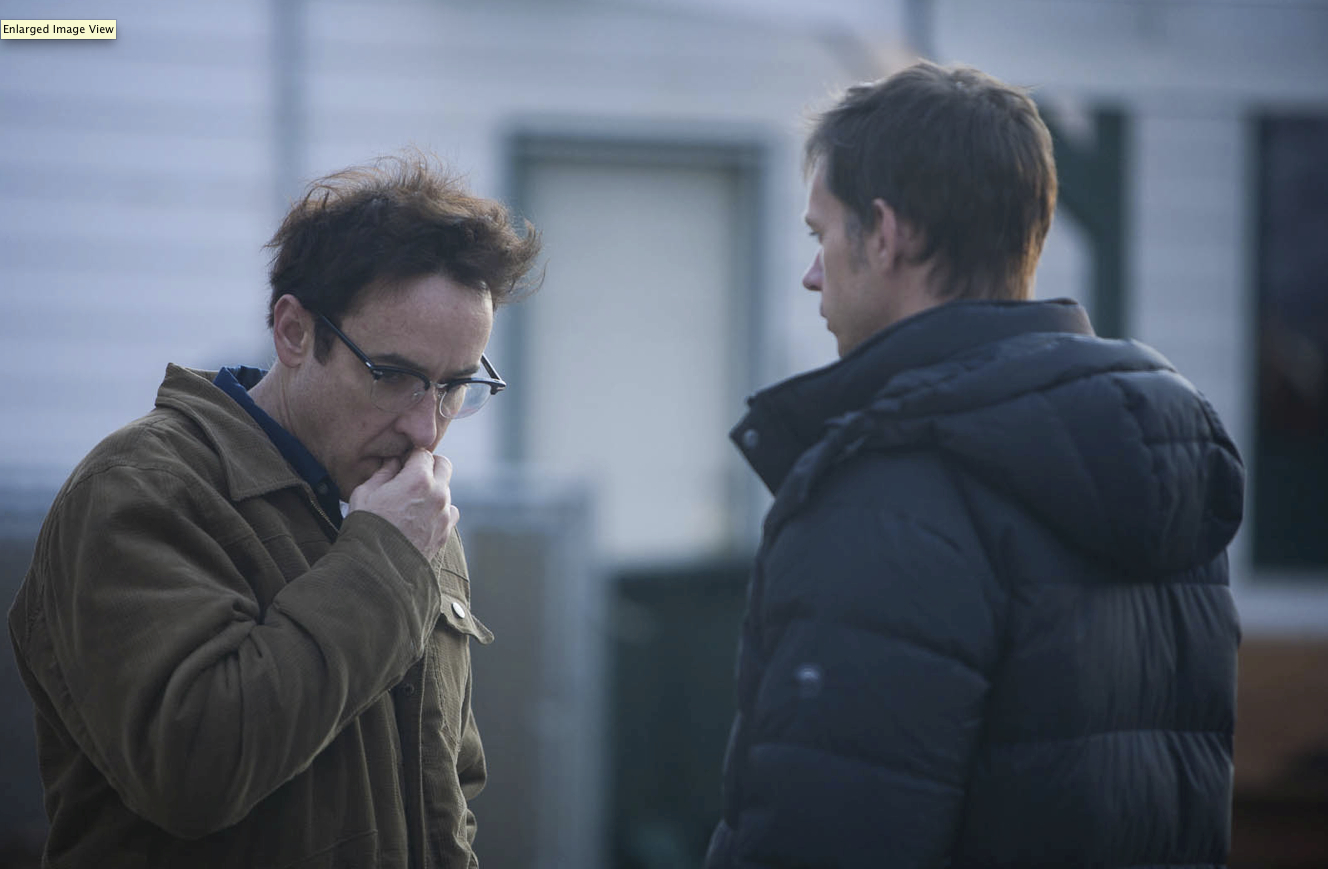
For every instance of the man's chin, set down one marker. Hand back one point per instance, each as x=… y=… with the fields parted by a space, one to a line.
x=839 y=341
x=364 y=469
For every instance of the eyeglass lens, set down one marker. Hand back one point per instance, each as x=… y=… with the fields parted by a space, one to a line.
x=395 y=392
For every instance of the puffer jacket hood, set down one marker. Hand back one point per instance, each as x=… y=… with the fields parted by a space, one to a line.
x=1146 y=482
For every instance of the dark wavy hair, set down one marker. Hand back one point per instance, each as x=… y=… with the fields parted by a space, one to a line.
x=962 y=156
x=368 y=228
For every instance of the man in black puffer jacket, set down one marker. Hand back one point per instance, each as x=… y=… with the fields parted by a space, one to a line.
x=989 y=622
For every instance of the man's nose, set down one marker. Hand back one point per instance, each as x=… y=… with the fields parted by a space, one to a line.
x=811 y=279
x=420 y=423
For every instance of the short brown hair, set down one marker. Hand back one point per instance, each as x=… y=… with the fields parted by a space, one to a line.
x=398 y=218
x=962 y=156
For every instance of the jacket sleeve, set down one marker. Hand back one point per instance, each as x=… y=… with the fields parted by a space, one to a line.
x=865 y=667
x=191 y=700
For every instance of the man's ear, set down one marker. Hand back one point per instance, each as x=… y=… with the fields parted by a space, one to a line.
x=882 y=237
x=292 y=331
x=895 y=239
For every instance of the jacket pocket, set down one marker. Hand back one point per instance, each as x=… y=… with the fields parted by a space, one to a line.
x=457 y=615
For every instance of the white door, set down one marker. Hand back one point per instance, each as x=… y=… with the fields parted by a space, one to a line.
x=634 y=348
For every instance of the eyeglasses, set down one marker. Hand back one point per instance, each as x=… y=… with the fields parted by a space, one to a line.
x=396 y=389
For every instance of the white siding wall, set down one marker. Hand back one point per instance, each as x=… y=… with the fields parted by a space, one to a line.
x=135 y=191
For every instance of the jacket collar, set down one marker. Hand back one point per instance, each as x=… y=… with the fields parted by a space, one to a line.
x=785 y=419
x=252 y=465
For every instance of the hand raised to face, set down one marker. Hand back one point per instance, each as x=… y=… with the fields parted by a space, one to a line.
x=415 y=497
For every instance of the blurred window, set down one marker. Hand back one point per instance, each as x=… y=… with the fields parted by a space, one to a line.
x=1084 y=257
x=635 y=356
x=1291 y=449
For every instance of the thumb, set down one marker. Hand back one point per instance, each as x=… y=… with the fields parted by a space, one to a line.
x=389 y=469
x=450 y=519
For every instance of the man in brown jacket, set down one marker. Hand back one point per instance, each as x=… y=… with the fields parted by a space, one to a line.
x=231 y=666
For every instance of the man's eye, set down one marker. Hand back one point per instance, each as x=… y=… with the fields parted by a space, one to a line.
x=400 y=383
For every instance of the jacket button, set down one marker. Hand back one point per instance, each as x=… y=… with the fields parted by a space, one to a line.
x=459 y=610
x=750 y=439
x=406 y=689
x=809 y=678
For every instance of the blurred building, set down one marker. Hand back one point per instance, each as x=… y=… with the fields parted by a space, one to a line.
x=656 y=143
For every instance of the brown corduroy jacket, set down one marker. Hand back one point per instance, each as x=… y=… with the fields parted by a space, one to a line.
x=222 y=678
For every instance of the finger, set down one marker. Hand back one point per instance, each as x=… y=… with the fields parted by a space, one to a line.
x=442 y=469
x=420 y=462
x=451 y=520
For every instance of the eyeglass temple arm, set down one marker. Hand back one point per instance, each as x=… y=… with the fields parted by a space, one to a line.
x=493 y=373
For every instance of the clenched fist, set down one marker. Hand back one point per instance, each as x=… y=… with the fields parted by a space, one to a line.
x=415 y=497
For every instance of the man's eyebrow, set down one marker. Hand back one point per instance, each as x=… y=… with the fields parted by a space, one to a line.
x=461 y=373
x=399 y=361
x=396 y=360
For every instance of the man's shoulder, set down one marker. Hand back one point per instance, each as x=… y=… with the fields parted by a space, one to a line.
x=163 y=438
x=918 y=490
x=155 y=461
x=178 y=435
x=889 y=476
x=163 y=452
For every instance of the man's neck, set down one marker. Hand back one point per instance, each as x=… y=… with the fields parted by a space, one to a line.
x=270 y=396
x=915 y=289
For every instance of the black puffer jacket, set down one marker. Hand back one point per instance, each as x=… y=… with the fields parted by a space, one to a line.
x=989 y=622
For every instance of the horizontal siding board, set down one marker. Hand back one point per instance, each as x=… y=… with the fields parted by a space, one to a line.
x=221 y=187
x=170 y=154
x=148 y=21
x=133 y=113
x=142 y=258
x=60 y=288
x=51 y=76
x=1244 y=51
x=37 y=221
x=108 y=361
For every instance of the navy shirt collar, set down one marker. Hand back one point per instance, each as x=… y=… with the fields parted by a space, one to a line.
x=236 y=382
